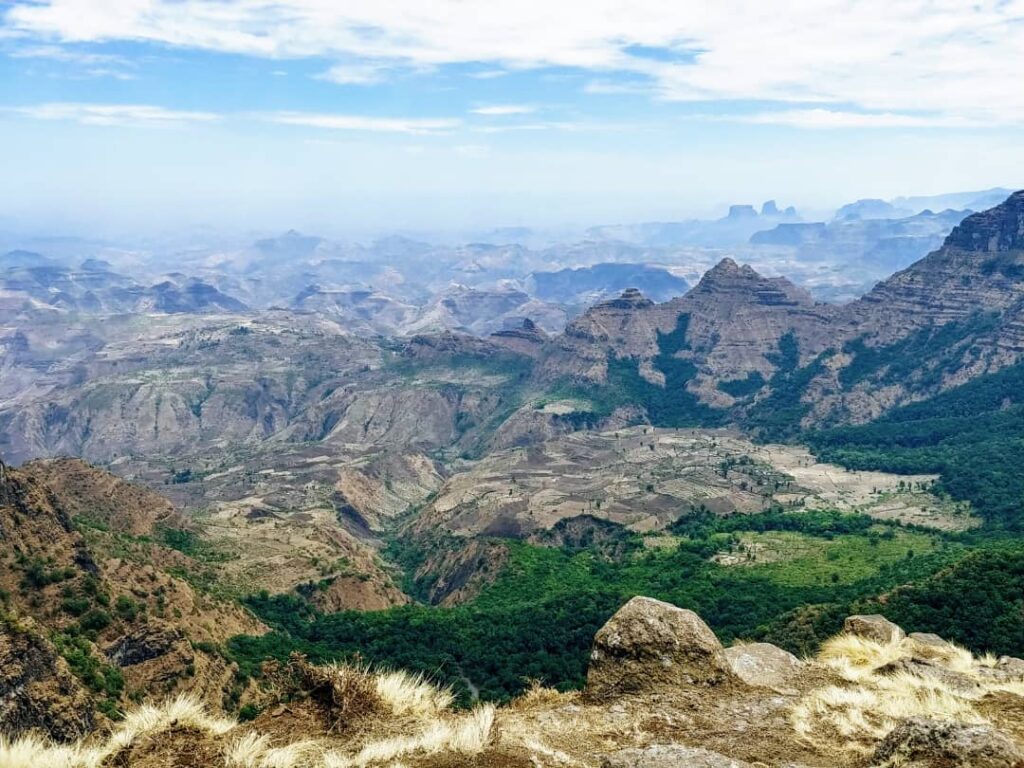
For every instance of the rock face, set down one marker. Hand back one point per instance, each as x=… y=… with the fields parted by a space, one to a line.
x=649 y=644
x=979 y=267
x=670 y=756
x=734 y=319
x=37 y=690
x=55 y=579
x=873 y=627
x=144 y=644
x=763 y=664
x=997 y=229
x=923 y=743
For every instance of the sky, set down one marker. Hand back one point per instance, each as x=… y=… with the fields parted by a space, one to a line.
x=345 y=115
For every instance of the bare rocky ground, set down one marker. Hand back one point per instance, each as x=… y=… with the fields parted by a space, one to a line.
x=661 y=692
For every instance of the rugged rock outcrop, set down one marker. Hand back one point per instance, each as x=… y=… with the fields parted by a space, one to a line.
x=38 y=693
x=734 y=320
x=840 y=710
x=997 y=229
x=122 y=622
x=648 y=645
x=873 y=627
x=925 y=743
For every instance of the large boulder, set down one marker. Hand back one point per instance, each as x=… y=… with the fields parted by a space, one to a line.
x=649 y=645
x=670 y=756
x=873 y=627
x=929 y=640
x=924 y=743
x=763 y=664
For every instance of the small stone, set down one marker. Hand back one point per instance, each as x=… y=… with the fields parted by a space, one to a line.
x=671 y=756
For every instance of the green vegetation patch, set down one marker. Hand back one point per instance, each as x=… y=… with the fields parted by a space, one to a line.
x=900 y=362
x=538 y=619
x=671 y=405
x=972 y=436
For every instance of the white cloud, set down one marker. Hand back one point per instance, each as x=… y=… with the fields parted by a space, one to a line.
x=414 y=126
x=133 y=115
x=355 y=74
x=827 y=118
x=950 y=57
x=489 y=74
x=503 y=110
x=612 y=88
x=86 y=63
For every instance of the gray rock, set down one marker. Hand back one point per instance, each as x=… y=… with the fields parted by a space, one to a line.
x=763 y=664
x=144 y=644
x=648 y=645
x=873 y=627
x=928 y=670
x=1012 y=666
x=928 y=639
x=670 y=756
x=924 y=743
x=1006 y=669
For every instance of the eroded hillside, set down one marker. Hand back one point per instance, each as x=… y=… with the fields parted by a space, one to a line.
x=95 y=611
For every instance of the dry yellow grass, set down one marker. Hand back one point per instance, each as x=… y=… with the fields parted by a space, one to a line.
x=871 y=705
x=537 y=696
x=467 y=735
x=180 y=712
x=409 y=694
x=409 y=719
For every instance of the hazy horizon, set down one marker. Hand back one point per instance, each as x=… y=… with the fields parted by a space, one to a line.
x=129 y=117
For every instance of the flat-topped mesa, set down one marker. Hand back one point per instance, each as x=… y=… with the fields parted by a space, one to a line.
x=996 y=230
x=743 y=283
x=523 y=338
x=526 y=330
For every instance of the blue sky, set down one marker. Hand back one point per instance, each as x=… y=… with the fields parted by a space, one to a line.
x=341 y=116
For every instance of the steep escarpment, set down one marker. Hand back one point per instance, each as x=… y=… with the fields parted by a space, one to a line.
x=980 y=267
x=92 y=614
x=728 y=327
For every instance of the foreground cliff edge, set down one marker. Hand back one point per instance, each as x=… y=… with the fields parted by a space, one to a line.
x=661 y=691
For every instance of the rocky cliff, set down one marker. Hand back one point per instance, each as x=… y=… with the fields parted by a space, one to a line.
x=92 y=616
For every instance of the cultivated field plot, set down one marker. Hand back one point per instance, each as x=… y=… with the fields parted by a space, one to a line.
x=645 y=478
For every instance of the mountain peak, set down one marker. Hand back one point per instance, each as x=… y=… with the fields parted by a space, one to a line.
x=998 y=229
x=728 y=268
x=729 y=278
